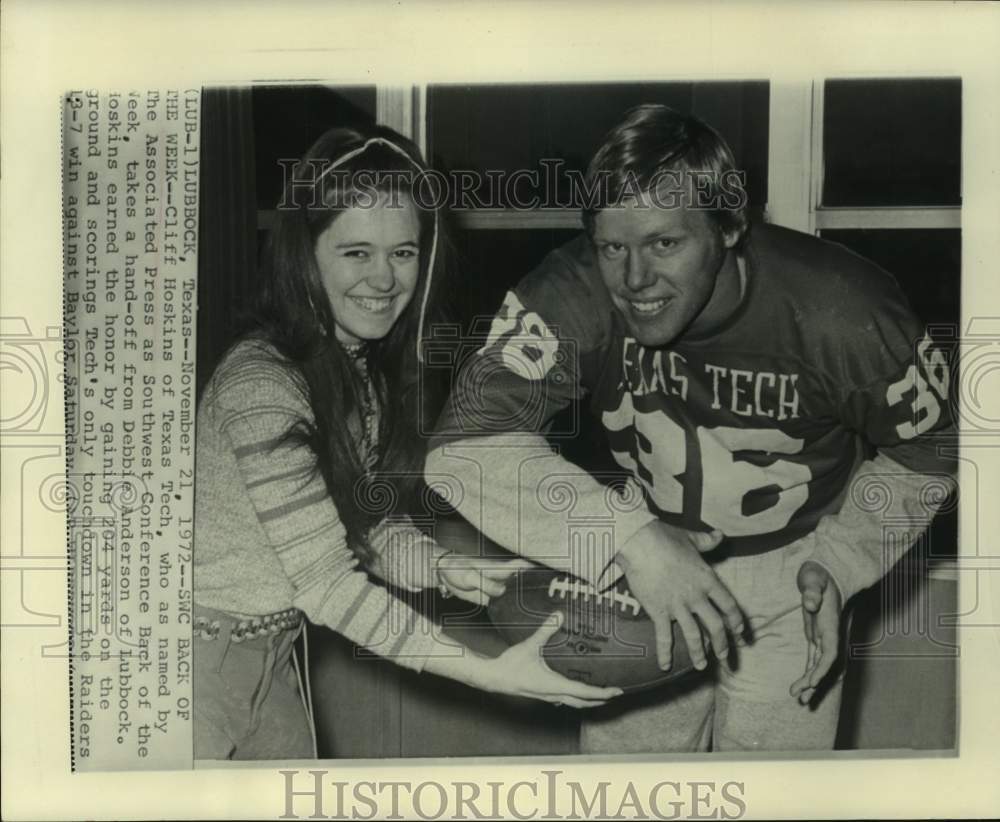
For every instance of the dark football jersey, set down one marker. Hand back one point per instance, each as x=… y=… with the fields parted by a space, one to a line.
x=754 y=429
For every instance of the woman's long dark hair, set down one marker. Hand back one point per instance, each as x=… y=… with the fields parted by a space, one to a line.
x=293 y=314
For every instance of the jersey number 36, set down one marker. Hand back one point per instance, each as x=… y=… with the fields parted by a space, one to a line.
x=725 y=480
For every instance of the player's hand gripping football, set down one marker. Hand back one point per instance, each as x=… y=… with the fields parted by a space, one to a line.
x=821 y=608
x=521 y=670
x=670 y=579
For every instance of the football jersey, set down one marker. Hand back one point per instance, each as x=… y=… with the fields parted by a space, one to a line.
x=754 y=428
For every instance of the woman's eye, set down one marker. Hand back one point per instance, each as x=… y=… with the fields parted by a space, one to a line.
x=405 y=253
x=356 y=254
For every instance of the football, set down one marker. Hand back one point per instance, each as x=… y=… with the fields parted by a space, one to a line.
x=606 y=638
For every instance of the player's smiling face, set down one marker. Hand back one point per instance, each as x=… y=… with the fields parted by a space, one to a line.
x=669 y=270
x=369 y=262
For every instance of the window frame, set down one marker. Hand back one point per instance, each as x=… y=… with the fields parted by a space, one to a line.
x=796 y=169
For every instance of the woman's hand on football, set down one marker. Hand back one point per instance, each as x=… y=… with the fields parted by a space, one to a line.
x=521 y=671
x=474 y=579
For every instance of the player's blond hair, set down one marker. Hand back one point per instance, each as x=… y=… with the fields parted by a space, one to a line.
x=653 y=142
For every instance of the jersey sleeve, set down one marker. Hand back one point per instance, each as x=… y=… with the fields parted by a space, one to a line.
x=254 y=404
x=546 y=335
x=896 y=390
x=895 y=381
x=851 y=544
x=544 y=347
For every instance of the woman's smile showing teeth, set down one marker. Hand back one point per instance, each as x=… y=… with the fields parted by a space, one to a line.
x=374 y=305
x=650 y=307
x=369 y=266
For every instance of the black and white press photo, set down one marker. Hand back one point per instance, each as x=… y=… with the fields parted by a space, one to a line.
x=499 y=411
x=577 y=339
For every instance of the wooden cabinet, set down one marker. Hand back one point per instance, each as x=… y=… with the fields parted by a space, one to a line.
x=900 y=688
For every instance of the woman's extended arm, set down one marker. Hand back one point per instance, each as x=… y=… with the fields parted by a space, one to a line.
x=410 y=559
x=254 y=403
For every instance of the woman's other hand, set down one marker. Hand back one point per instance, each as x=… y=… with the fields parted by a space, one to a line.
x=521 y=670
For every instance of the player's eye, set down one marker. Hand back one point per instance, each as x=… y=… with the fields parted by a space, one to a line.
x=404 y=254
x=664 y=244
x=356 y=254
x=612 y=250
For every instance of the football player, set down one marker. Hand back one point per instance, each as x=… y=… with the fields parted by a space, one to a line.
x=755 y=385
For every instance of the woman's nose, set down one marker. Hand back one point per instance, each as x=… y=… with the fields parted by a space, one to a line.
x=381 y=277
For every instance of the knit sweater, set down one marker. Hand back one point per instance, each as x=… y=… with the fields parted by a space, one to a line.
x=267 y=533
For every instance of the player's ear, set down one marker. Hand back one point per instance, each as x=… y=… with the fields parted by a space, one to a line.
x=731 y=236
x=732 y=226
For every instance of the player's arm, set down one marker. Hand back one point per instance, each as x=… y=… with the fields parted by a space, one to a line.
x=906 y=416
x=510 y=482
x=850 y=553
x=850 y=545
x=536 y=503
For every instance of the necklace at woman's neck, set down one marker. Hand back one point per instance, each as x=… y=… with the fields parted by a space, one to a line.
x=368 y=413
x=354 y=350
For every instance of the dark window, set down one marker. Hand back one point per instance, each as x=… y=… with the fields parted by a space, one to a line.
x=510 y=127
x=288 y=119
x=493 y=261
x=892 y=142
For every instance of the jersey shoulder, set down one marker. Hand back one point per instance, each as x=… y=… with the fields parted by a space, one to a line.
x=843 y=313
x=831 y=291
x=826 y=279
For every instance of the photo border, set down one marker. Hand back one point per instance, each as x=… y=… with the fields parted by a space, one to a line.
x=50 y=47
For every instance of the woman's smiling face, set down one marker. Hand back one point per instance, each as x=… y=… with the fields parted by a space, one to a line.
x=369 y=264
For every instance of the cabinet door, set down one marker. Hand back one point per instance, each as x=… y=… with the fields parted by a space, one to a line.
x=900 y=688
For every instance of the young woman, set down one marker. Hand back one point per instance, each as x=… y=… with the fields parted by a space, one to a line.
x=301 y=421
